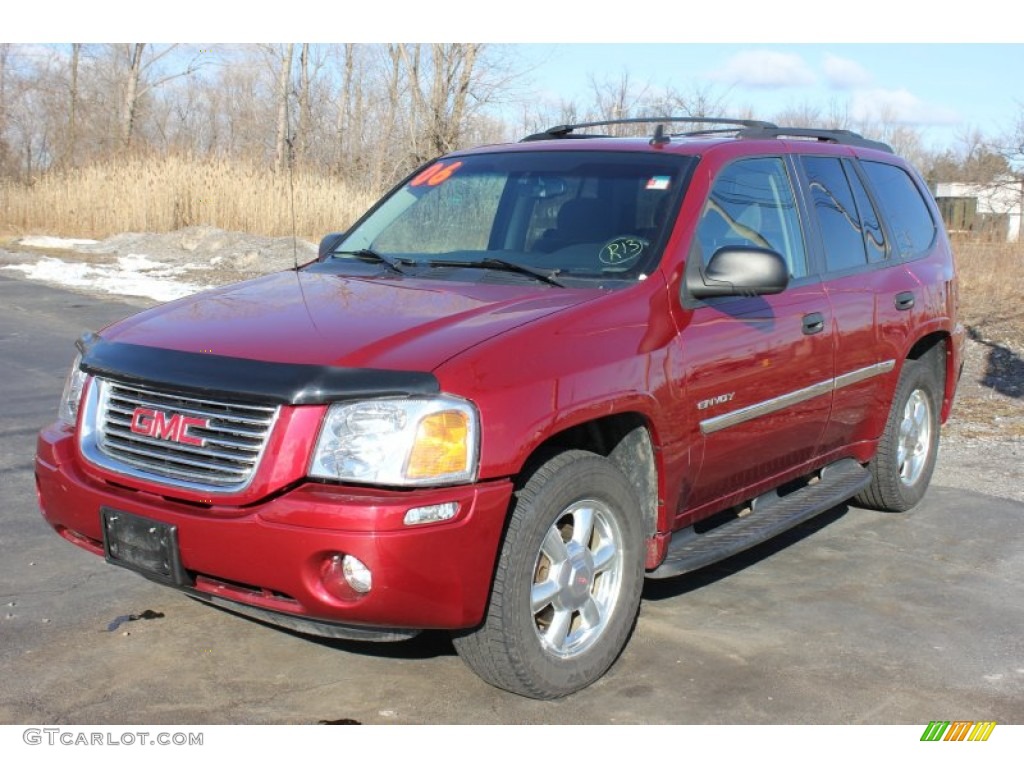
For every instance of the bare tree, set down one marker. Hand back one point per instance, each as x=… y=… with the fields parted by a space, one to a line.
x=5 y=57
x=304 y=123
x=136 y=83
x=1010 y=147
x=619 y=99
x=973 y=159
x=283 y=77
x=698 y=101
x=349 y=104
x=368 y=112
x=442 y=100
x=73 y=99
x=131 y=93
x=453 y=74
x=804 y=114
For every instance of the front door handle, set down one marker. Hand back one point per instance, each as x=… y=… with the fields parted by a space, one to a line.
x=904 y=300
x=814 y=323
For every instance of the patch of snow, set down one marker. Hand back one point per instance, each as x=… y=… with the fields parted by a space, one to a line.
x=132 y=275
x=137 y=262
x=58 y=243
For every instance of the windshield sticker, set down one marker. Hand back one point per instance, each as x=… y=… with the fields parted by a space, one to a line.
x=622 y=251
x=658 y=182
x=436 y=174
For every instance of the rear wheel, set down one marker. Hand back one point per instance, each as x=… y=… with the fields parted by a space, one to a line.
x=567 y=587
x=903 y=466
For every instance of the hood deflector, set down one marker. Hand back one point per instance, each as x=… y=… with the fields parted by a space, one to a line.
x=243 y=379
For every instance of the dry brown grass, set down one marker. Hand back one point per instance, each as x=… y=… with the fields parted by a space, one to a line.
x=991 y=281
x=988 y=405
x=162 y=194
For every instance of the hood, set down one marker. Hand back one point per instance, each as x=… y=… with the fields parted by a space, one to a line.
x=343 y=321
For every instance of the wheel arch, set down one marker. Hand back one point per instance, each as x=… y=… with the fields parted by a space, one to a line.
x=935 y=351
x=628 y=440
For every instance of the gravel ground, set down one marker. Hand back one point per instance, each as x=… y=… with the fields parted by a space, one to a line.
x=983 y=442
x=982 y=445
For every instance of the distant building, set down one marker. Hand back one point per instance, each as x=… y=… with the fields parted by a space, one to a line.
x=989 y=210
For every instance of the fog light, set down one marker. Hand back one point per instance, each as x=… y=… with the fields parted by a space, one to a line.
x=357 y=575
x=435 y=513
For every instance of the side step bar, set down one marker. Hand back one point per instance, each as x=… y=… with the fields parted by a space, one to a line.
x=770 y=515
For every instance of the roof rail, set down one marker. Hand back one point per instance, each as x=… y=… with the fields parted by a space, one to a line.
x=832 y=135
x=566 y=131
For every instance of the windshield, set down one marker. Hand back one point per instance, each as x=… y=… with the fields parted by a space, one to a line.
x=574 y=214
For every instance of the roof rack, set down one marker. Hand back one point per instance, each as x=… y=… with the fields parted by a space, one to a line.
x=566 y=131
x=831 y=135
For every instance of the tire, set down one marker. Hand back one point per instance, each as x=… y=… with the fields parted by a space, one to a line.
x=567 y=585
x=903 y=465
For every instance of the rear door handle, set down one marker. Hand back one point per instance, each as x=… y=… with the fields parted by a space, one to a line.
x=814 y=323
x=904 y=300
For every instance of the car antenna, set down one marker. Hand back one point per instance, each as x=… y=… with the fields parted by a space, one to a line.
x=291 y=193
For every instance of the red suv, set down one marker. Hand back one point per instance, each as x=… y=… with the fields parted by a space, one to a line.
x=529 y=377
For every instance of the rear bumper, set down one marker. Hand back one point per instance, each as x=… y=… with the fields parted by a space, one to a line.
x=267 y=560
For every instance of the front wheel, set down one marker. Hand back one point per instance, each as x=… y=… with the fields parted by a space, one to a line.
x=567 y=587
x=903 y=465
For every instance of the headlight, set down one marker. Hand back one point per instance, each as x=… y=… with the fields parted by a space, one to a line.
x=68 y=412
x=399 y=442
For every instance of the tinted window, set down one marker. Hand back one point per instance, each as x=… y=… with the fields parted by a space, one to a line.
x=586 y=214
x=838 y=219
x=874 y=238
x=454 y=215
x=752 y=204
x=906 y=211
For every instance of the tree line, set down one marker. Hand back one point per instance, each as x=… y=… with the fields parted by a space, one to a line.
x=363 y=113
x=367 y=111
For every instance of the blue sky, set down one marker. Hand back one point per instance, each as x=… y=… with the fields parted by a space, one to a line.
x=942 y=89
x=941 y=69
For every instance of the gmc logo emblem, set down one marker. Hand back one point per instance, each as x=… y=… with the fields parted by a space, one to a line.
x=146 y=421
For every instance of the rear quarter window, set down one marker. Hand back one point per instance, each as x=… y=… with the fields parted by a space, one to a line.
x=903 y=207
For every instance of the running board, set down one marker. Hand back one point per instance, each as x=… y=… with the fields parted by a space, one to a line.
x=770 y=514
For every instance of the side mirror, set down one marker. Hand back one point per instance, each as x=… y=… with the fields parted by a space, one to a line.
x=328 y=244
x=740 y=272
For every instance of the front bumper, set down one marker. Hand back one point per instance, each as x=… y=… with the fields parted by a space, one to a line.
x=266 y=560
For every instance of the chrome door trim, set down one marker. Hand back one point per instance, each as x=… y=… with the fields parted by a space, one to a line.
x=741 y=415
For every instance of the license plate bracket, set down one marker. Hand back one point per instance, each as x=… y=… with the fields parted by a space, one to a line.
x=146 y=546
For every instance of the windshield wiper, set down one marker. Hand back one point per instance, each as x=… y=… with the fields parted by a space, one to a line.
x=368 y=254
x=502 y=266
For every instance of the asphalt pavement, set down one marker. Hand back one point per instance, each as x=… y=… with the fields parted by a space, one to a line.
x=855 y=617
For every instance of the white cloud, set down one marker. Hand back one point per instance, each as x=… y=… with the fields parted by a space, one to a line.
x=899 y=106
x=765 y=69
x=845 y=73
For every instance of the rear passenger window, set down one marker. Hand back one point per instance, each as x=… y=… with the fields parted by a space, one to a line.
x=841 y=233
x=752 y=205
x=905 y=210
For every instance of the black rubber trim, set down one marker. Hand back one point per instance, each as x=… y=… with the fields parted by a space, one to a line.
x=241 y=379
x=835 y=136
x=305 y=625
x=566 y=131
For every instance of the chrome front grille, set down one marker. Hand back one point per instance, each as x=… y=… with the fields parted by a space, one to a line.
x=192 y=442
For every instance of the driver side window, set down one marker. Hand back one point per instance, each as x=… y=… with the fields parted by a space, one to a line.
x=752 y=205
